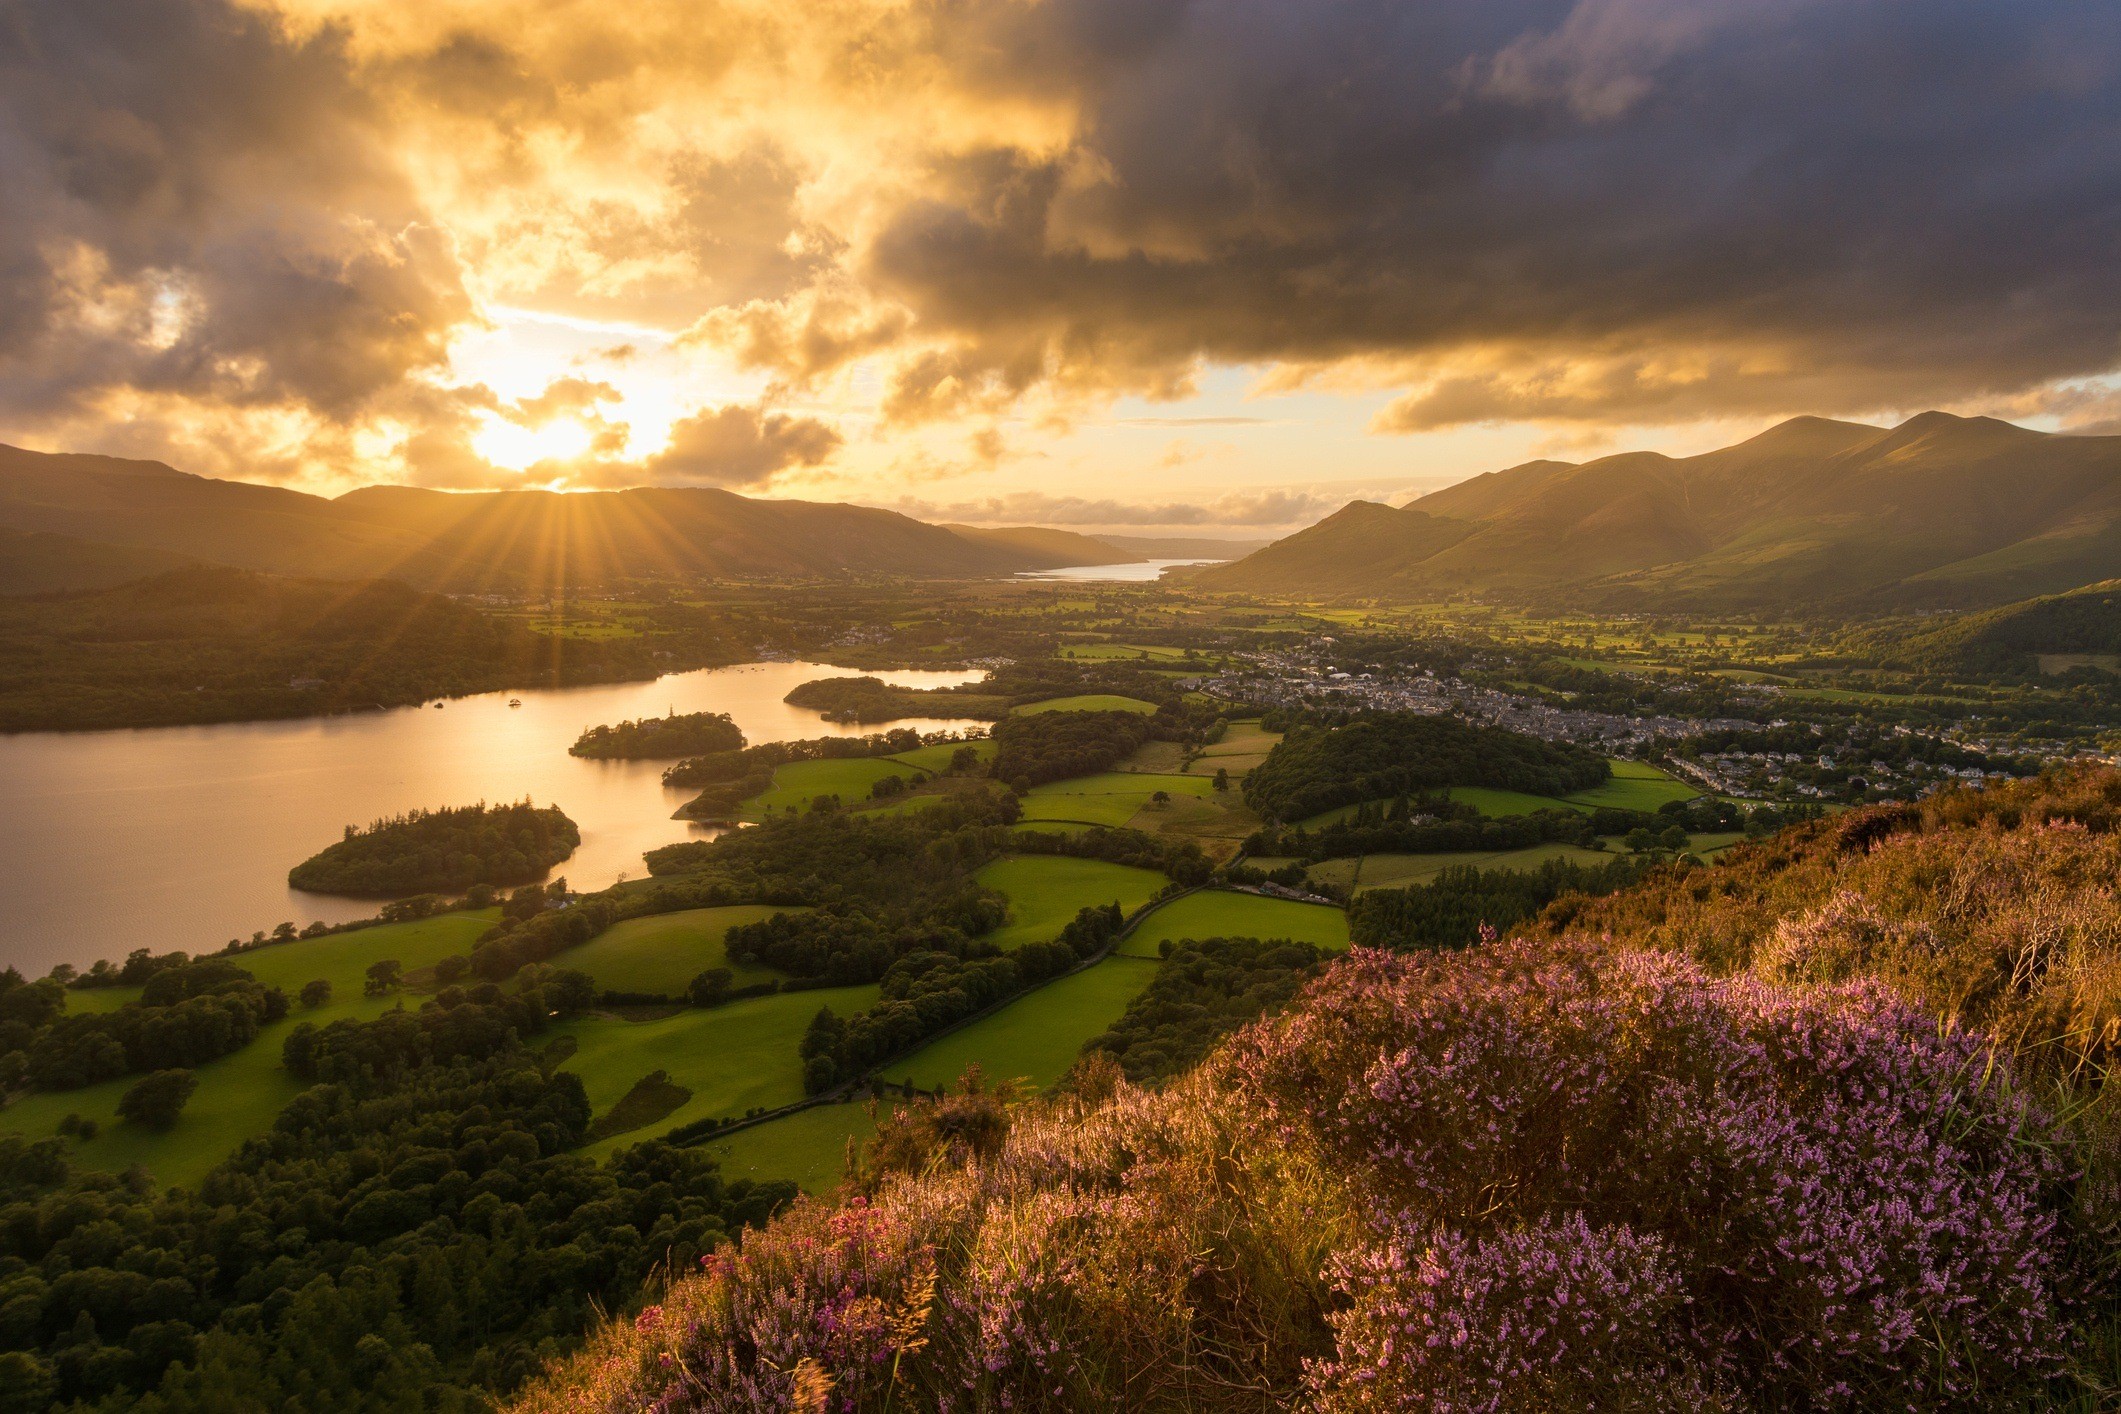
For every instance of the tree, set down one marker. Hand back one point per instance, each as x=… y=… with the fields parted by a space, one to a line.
x=711 y=987
x=315 y=994
x=1222 y=778
x=384 y=977
x=1161 y=797
x=156 y=1100
x=452 y=969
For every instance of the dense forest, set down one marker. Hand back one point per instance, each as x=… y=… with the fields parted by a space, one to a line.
x=209 y=644
x=1203 y=990
x=1318 y=767
x=412 y=1234
x=660 y=738
x=189 y=1012
x=1464 y=902
x=1053 y=746
x=442 y=851
x=865 y=700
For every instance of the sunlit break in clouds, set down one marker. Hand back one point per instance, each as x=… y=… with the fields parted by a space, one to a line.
x=1141 y=262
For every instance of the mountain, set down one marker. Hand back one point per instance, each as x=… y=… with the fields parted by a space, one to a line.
x=2051 y=633
x=509 y=541
x=1941 y=511
x=39 y=562
x=1057 y=547
x=1183 y=547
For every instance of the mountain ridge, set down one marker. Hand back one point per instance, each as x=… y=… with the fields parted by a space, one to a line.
x=1939 y=512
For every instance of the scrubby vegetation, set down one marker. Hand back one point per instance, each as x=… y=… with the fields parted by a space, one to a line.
x=449 y=850
x=1319 y=767
x=1701 y=1144
x=660 y=738
x=1464 y=901
x=1203 y=990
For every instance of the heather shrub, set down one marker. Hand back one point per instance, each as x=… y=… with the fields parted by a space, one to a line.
x=1524 y=1177
x=1802 y=1198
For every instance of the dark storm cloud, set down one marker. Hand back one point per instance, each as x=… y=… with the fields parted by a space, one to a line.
x=195 y=203
x=1610 y=208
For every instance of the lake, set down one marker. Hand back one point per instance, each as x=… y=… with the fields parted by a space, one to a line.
x=1140 y=572
x=181 y=837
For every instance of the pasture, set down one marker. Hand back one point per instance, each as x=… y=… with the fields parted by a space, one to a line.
x=1037 y=1036
x=1635 y=785
x=732 y=1058
x=239 y=1094
x=1400 y=871
x=1222 y=913
x=1109 y=797
x=1087 y=702
x=809 y=1146
x=1120 y=652
x=1046 y=891
x=796 y=784
x=665 y=951
x=936 y=758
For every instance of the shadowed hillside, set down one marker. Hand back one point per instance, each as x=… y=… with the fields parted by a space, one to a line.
x=1941 y=511
x=512 y=541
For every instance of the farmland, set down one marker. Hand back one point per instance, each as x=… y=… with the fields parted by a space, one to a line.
x=1046 y=891
x=1037 y=1036
x=665 y=951
x=1221 y=913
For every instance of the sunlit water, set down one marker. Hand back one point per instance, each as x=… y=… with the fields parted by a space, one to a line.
x=1140 y=572
x=181 y=837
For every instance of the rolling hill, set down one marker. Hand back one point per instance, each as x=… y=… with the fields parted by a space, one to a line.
x=1939 y=512
x=507 y=541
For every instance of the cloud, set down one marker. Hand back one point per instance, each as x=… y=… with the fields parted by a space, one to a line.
x=1249 y=510
x=267 y=225
x=739 y=446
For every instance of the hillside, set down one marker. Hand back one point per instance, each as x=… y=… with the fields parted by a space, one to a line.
x=1638 y=1158
x=506 y=541
x=1057 y=547
x=1941 y=511
x=213 y=644
x=39 y=562
x=2060 y=628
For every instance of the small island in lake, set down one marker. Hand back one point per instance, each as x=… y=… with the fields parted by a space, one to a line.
x=866 y=700
x=436 y=851
x=660 y=738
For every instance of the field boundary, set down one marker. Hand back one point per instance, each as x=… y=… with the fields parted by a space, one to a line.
x=867 y=1079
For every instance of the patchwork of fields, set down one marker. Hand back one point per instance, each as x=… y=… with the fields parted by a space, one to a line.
x=742 y=1056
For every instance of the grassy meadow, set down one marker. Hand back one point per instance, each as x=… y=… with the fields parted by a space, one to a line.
x=665 y=951
x=1037 y=1036
x=1088 y=702
x=239 y=1094
x=1046 y=891
x=1222 y=913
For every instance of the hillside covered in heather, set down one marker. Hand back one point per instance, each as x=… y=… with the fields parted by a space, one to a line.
x=1821 y=1126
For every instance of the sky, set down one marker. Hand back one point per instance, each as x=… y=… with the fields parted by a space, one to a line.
x=1207 y=266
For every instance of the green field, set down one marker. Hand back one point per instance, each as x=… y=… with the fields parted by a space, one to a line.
x=1088 y=702
x=1036 y=1037
x=809 y=1146
x=240 y=1094
x=1220 y=913
x=665 y=951
x=1108 y=798
x=1112 y=652
x=799 y=782
x=1636 y=785
x=1489 y=801
x=1399 y=871
x=1046 y=891
x=732 y=1058
x=936 y=758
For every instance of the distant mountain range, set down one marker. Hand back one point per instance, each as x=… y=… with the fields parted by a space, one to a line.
x=1939 y=512
x=80 y=522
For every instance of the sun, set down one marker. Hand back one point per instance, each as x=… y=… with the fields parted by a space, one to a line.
x=516 y=447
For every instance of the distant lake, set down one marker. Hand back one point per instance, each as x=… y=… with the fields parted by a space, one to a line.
x=1140 y=572
x=181 y=837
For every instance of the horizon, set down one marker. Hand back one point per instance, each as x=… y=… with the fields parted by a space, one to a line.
x=1033 y=264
